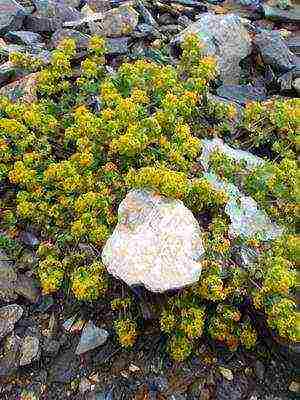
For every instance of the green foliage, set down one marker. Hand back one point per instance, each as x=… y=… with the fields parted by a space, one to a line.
x=66 y=166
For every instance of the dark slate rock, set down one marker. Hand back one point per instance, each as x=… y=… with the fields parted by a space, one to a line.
x=9 y=360
x=41 y=24
x=296 y=86
x=24 y=37
x=241 y=94
x=285 y=81
x=51 y=15
x=277 y=14
x=294 y=44
x=12 y=15
x=28 y=288
x=146 y=31
x=64 y=368
x=7 y=71
x=8 y=276
x=117 y=45
x=275 y=51
x=146 y=14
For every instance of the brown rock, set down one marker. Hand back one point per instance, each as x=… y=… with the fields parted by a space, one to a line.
x=22 y=89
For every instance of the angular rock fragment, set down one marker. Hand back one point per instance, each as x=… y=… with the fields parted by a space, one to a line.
x=157 y=243
x=211 y=145
x=12 y=15
x=224 y=37
x=30 y=350
x=91 y=337
x=23 y=89
x=247 y=220
x=8 y=277
x=242 y=94
x=119 y=21
x=275 y=51
x=24 y=37
x=276 y=14
x=9 y=315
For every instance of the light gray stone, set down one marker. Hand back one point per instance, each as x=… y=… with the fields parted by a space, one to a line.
x=91 y=337
x=223 y=36
x=157 y=243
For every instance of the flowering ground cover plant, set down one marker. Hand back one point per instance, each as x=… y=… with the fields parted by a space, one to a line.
x=66 y=162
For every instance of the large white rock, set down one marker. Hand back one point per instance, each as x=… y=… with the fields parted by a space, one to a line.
x=157 y=243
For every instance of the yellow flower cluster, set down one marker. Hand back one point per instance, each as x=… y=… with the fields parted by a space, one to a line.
x=282 y=316
x=51 y=274
x=225 y=327
x=180 y=347
x=89 y=282
x=126 y=330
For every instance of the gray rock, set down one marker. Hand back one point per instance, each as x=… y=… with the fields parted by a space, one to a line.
x=27 y=286
x=286 y=81
x=235 y=389
x=64 y=368
x=9 y=315
x=53 y=8
x=29 y=238
x=294 y=44
x=50 y=346
x=99 y=5
x=117 y=45
x=51 y=15
x=277 y=14
x=89 y=19
x=259 y=370
x=81 y=39
x=118 y=22
x=296 y=86
x=8 y=278
x=211 y=145
x=146 y=31
x=9 y=360
x=30 y=350
x=247 y=219
x=224 y=37
x=242 y=94
x=275 y=51
x=24 y=37
x=91 y=337
x=12 y=15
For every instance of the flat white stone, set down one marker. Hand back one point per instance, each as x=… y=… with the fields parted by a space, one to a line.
x=156 y=243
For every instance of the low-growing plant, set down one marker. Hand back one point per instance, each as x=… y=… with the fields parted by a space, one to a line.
x=66 y=164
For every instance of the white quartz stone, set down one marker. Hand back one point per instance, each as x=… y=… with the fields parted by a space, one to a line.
x=157 y=243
